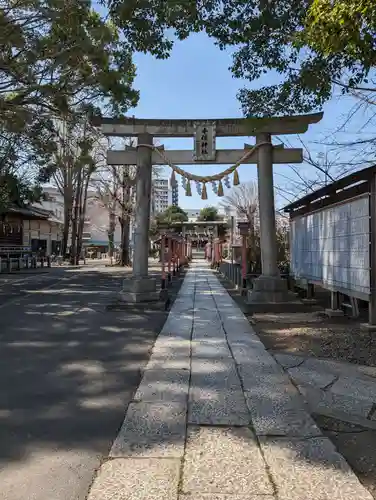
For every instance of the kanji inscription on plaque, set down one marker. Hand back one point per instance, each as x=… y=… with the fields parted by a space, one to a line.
x=204 y=141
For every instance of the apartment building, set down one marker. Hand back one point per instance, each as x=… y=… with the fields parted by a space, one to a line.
x=175 y=193
x=96 y=224
x=164 y=194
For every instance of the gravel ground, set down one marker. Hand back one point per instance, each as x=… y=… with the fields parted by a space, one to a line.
x=341 y=339
x=312 y=334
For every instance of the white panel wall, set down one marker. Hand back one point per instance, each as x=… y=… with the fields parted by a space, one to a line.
x=332 y=246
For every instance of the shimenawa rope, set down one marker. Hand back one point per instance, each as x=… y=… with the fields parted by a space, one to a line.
x=207 y=178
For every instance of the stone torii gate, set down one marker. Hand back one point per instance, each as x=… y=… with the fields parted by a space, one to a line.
x=269 y=287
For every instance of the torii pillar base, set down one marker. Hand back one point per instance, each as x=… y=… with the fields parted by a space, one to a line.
x=139 y=290
x=270 y=294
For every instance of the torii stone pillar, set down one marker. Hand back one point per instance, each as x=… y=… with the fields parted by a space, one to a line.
x=268 y=288
x=140 y=287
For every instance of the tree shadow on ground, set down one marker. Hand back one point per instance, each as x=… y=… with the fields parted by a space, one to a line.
x=69 y=369
x=356 y=444
x=68 y=366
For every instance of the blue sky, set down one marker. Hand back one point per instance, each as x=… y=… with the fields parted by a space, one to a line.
x=195 y=82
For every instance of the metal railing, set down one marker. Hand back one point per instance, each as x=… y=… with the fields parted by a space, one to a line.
x=10 y=264
x=233 y=272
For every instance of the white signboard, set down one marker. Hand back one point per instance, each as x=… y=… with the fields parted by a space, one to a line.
x=205 y=134
x=332 y=246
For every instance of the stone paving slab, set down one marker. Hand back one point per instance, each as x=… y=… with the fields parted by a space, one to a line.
x=258 y=357
x=233 y=315
x=247 y=350
x=215 y=372
x=329 y=366
x=250 y=338
x=184 y=302
x=207 y=335
x=152 y=430
x=236 y=322
x=216 y=396
x=169 y=362
x=206 y=314
x=185 y=310
x=214 y=407
x=136 y=479
x=253 y=373
x=350 y=393
x=311 y=469
x=211 y=324
x=204 y=350
x=178 y=324
x=361 y=389
x=218 y=496
x=205 y=310
x=304 y=376
x=164 y=385
x=327 y=402
x=224 y=460
x=279 y=410
x=289 y=360
x=170 y=353
x=171 y=343
x=173 y=329
x=368 y=371
x=350 y=373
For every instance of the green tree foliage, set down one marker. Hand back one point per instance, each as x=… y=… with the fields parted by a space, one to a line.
x=171 y=215
x=16 y=191
x=56 y=56
x=21 y=156
x=345 y=27
x=208 y=214
x=54 y=53
x=309 y=44
x=152 y=25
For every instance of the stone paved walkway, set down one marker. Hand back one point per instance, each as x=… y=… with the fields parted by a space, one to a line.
x=337 y=389
x=216 y=418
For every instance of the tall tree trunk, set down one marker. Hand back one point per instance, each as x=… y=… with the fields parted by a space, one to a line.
x=66 y=228
x=125 y=219
x=111 y=231
x=67 y=192
x=73 y=251
x=82 y=217
x=125 y=226
x=80 y=231
x=75 y=218
x=68 y=209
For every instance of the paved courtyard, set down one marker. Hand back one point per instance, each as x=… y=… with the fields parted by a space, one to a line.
x=215 y=417
x=68 y=370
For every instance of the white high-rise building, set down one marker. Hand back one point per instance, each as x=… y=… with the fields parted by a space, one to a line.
x=161 y=195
